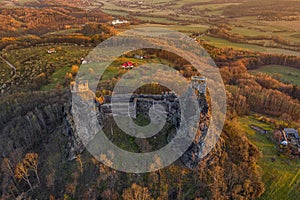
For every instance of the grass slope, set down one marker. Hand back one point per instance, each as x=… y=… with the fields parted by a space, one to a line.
x=281 y=177
x=289 y=74
x=33 y=60
x=221 y=43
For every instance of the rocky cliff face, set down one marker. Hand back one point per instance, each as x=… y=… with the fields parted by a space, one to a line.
x=43 y=123
x=193 y=155
x=29 y=122
x=143 y=103
x=26 y=119
x=84 y=105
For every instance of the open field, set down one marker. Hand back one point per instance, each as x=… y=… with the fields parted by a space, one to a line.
x=247 y=31
x=289 y=74
x=287 y=25
x=253 y=23
x=227 y=12
x=56 y=78
x=296 y=36
x=281 y=177
x=188 y=15
x=218 y=42
x=5 y=71
x=116 y=12
x=42 y=42
x=21 y=2
x=156 y=19
x=213 y=6
x=188 y=29
x=72 y=31
x=250 y=26
x=33 y=61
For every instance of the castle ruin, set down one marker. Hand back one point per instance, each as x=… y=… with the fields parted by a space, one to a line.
x=140 y=104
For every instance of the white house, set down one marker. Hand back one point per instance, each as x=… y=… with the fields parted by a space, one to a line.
x=52 y=50
x=117 y=21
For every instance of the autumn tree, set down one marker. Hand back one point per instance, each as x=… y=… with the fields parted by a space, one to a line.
x=40 y=80
x=68 y=78
x=6 y=164
x=74 y=70
x=31 y=162
x=21 y=173
x=110 y=194
x=22 y=169
x=136 y=192
x=79 y=160
x=8 y=180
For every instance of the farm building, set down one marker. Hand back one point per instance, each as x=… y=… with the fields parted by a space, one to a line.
x=258 y=129
x=291 y=136
x=290 y=132
x=52 y=50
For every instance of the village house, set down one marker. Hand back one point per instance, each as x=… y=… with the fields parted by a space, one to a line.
x=289 y=135
x=52 y=50
x=117 y=21
x=83 y=61
x=138 y=57
x=293 y=136
x=290 y=132
x=127 y=65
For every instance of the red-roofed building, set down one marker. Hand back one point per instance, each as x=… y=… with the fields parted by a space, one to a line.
x=127 y=65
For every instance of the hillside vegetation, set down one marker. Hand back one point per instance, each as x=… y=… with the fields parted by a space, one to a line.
x=255 y=44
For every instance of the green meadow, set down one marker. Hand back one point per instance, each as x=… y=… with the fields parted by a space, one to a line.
x=288 y=74
x=281 y=177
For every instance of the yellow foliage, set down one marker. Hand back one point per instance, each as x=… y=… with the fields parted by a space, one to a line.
x=68 y=76
x=31 y=160
x=21 y=171
x=7 y=39
x=74 y=69
x=100 y=99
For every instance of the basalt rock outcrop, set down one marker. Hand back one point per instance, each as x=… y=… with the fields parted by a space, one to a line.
x=77 y=112
x=26 y=119
x=141 y=105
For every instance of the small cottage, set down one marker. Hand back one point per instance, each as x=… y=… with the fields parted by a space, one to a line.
x=52 y=50
x=127 y=65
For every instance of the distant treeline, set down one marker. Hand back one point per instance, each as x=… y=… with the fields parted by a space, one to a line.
x=89 y=35
x=44 y=18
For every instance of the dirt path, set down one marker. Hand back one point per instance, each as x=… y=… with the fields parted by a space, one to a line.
x=9 y=64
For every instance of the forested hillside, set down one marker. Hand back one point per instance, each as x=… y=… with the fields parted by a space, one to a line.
x=255 y=45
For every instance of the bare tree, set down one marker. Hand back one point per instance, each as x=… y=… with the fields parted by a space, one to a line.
x=79 y=160
x=9 y=181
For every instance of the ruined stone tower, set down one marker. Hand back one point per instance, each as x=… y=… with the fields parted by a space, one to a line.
x=80 y=86
x=199 y=84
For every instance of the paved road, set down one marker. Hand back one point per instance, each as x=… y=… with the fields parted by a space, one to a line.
x=9 y=64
